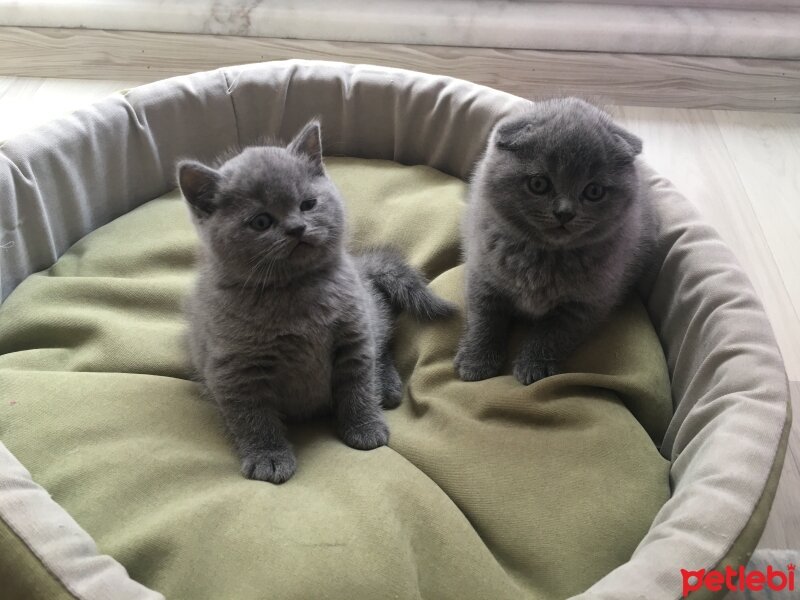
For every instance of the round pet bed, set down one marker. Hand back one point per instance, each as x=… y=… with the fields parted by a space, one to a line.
x=659 y=450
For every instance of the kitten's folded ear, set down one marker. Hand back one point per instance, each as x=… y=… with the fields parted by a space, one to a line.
x=309 y=143
x=629 y=143
x=199 y=185
x=512 y=133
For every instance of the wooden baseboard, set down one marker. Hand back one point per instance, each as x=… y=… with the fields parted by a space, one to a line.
x=627 y=79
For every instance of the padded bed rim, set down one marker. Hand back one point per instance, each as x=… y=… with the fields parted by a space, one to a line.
x=731 y=395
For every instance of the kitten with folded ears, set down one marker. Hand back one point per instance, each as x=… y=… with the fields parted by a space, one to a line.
x=285 y=324
x=558 y=229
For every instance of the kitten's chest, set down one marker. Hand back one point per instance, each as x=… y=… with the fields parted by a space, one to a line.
x=290 y=342
x=282 y=328
x=537 y=281
x=303 y=318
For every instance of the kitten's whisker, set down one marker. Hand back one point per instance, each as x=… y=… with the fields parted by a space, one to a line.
x=267 y=275
x=259 y=257
x=270 y=264
x=262 y=260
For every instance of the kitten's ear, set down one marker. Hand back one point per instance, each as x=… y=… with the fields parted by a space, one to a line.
x=199 y=184
x=309 y=143
x=629 y=143
x=512 y=134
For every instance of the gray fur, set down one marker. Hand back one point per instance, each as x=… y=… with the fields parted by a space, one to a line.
x=284 y=324
x=523 y=264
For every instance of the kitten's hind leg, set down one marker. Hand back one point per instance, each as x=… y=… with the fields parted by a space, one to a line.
x=389 y=381
x=258 y=434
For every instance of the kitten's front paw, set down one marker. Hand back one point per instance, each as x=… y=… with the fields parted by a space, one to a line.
x=473 y=367
x=366 y=436
x=276 y=466
x=530 y=371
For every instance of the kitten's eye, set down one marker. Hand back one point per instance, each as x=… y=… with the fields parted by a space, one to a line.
x=260 y=222
x=539 y=184
x=308 y=204
x=594 y=192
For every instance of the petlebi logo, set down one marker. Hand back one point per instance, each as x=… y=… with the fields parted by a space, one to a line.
x=740 y=579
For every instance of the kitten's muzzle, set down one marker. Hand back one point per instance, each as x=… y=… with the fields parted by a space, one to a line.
x=296 y=231
x=300 y=245
x=564 y=215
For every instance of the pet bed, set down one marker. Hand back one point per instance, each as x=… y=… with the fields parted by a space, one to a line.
x=658 y=450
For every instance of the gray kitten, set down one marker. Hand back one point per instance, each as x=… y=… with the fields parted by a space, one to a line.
x=557 y=230
x=284 y=323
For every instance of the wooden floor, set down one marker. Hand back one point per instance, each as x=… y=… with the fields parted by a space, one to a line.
x=624 y=79
x=742 y=169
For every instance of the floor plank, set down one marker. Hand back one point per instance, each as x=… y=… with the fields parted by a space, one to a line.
x=638 y=79
x=766 y=151
x=688 y=147
x=28 y=101
x=783 y=526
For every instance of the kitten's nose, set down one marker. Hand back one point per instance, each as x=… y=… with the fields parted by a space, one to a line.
x=296 y=230
x=564 y=215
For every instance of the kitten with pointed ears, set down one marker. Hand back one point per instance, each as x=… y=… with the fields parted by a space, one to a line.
x=558 y=229
x=284 y=324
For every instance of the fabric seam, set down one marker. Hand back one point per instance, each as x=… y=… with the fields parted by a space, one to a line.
x=31 y=548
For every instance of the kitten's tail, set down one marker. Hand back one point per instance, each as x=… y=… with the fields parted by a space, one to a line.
x=403 y=286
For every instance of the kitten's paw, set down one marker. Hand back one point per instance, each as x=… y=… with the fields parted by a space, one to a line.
x=472 y=367
x=392 y=389
x=366 y=436
x=276 y=466
x=530 y=371
x=392 y=398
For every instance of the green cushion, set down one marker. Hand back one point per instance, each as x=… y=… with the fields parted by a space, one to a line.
x=487 y=490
